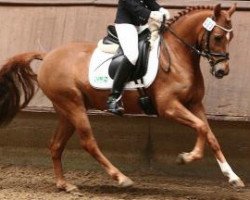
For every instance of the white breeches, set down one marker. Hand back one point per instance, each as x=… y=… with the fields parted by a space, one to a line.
x=128 y=38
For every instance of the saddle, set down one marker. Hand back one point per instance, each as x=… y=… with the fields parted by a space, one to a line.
x=144 y=49
x=141 y=65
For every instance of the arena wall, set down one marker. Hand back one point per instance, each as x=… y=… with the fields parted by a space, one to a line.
x=43 y=25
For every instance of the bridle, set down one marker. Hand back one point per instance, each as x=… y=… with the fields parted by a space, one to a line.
x=210 y=55
x=213 y=57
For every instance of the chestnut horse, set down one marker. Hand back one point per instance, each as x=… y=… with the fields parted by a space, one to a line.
x=176 y=93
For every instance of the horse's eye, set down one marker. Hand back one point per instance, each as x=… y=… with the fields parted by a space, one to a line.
x=218 y=38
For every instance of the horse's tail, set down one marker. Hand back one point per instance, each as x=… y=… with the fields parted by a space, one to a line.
x=17 y=84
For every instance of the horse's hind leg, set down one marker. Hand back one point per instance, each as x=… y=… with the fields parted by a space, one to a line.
x=62 y=134
x=75 y=111
x=89 y=143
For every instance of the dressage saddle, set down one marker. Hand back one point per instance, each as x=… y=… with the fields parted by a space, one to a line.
x=144 y=49
x=140 y=67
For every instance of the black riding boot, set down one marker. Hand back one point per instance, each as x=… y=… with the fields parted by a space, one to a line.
x=122 y=75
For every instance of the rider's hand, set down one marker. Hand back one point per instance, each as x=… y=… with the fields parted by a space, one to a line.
x=156 y=16
x=156 y=19
x=165 y=12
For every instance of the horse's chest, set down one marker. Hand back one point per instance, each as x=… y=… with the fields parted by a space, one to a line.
x=188 y=91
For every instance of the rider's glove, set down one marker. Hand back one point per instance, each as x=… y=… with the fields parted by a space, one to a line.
x=156 y=16
x=165 y=12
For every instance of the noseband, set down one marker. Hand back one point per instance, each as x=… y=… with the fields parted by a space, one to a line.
x=213 y=57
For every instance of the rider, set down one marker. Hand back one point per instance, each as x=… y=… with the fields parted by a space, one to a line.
x=131 y=14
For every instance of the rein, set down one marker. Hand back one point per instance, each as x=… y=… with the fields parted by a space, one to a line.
x=206 y=52
x=163 y=43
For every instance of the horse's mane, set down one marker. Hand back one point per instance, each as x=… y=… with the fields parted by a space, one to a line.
x=187 y=11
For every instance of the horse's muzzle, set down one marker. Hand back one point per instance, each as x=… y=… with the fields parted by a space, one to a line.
x=219 y=74
x=220 y=70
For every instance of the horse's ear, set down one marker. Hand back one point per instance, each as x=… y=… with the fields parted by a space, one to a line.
x=217 y=10
x=232 y=9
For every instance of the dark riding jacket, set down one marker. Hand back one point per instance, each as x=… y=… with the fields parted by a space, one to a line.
x=136 y=12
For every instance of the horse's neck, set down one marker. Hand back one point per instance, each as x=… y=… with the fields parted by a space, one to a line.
x=189 y=27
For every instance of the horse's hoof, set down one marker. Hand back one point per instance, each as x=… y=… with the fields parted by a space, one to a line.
x=237 y=184
x=74 y=190
x=127 y=182
x=180 y=160
x=67 y=187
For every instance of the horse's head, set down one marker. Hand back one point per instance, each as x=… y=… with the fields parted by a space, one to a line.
x=217 y=37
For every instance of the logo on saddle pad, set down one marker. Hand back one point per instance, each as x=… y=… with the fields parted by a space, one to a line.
x=101 y=79
x=99 y=68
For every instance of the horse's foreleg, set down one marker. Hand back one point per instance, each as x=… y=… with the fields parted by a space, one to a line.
x=62 y=134
x=181 y=114
x=199 y=111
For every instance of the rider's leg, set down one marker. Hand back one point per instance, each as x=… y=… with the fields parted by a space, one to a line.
x=121 y=77
x=128 y=38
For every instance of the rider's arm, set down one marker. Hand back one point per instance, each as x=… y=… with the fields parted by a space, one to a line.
x=152 y=5
x=135 y=8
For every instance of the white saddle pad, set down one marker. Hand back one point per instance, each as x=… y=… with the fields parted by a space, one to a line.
x=98 y=70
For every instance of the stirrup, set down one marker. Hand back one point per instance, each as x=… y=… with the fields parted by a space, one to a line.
x=115 y=106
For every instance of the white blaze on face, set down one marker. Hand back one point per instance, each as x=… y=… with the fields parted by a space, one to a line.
x=228 y=36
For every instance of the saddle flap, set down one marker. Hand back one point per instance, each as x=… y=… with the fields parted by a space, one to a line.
x=143 y=46
x=142 y=62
